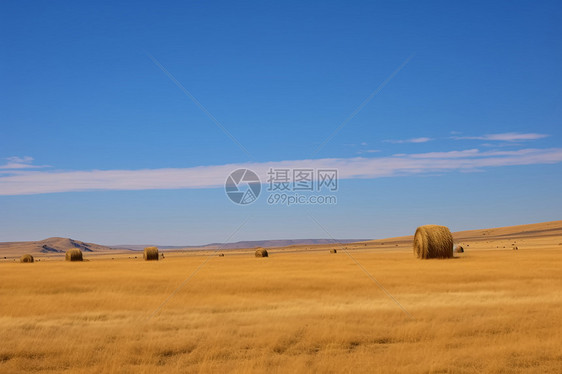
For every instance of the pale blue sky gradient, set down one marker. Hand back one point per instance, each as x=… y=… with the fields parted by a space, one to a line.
x=79 y=92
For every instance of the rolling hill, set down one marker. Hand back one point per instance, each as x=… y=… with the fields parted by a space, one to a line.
x=53 y=245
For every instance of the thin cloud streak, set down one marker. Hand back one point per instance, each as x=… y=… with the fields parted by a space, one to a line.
x=15 y=163
x=504 y=137
x=413 y=140
x=39 y=182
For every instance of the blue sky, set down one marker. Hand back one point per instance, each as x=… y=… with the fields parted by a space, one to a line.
x=465 y=130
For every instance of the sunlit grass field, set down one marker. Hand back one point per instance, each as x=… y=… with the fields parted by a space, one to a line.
x=485 y=311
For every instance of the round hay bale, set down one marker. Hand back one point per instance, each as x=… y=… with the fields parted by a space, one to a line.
x=262 y=252
x=221 y=254
x=333 y=251
x=26 y=258
x=459 y=249
x=150 y=254
x=73 y=254
x=433 y=241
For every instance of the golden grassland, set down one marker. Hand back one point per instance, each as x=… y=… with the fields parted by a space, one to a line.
x=495 y=310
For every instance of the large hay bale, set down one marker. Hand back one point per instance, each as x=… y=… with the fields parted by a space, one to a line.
x=433 y=241
x=26 y=258
x=150 y=254
x=459 y=249
x=333 y=251
x=262 y=252
x=73 y=254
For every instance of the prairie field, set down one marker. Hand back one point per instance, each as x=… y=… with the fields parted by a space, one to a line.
x=486 y=310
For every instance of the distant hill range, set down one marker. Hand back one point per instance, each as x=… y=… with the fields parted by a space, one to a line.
x=543 y=229
x=57 y=246
x=61 y=245
x=51 y=246
x=245 y=244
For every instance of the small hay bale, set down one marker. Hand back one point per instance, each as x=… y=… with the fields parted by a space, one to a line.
x=221 y=254
x=262 y=252
x=333 y=250
x=27 y=258
x=150 y=254
x=433 y=241
x=73 y=254
x=459 y=249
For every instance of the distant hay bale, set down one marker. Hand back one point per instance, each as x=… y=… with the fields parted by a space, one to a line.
x=433 y=241
x=150 y=254
x=459 y=249
x=73 y=254
x=221 y=254
x=333 y=251
x=262 y=252
x=26 y=258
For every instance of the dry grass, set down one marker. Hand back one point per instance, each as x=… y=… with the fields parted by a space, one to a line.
x=490 y=311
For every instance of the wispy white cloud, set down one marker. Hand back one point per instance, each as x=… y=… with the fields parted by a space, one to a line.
x=38 y=182
x=368 y=151
x=20 y=160
x=412 y=140
x=504 y=137
x=15 y=163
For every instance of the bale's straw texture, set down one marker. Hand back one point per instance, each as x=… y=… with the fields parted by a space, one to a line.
x=26 y=258
x=262 y=252
x=459 y=249
x=73 y=254
x=150 y=254
x=433 y=241
x=333 y=251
